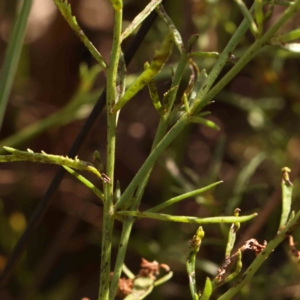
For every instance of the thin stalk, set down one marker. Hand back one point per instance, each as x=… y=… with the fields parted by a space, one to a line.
x=86 y=182
x=65 y=10
x=246 y=13
x=140 y=18
x=168 y=21
x=124 y=240
x=12 y=55
x=287 y=190
x=194 y=248
x=186 y=219
x=182 y=197
x=108 y=211
x=208 y=289
x=203 y=54
x=30 y=156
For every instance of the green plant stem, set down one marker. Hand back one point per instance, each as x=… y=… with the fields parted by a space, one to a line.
x=65 y=10
x=250 y=53
x=168 y=21
x=281 y=235
x=12 y=56
x=232 y=235
x=140 y=18
x=246 y=13
x=86 y=182
x=124 y=240
x=207 y=291
x=182 y=197
x=279 y=2
x=194 y=248
x=242 y=182
x=30 y=156
x=108 y=211
x=186 y=219
x=287 y=190
x=203 y=54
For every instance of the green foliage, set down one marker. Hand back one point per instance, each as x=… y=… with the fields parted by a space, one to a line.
x=182 y=107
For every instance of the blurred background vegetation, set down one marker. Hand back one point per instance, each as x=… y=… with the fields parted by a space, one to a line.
x=259 y=117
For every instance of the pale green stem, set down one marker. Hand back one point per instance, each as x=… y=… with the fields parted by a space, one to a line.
x=12 y=55
x=287 y=190
x=194 y=248
x=108 y=211
x=30 y=156
x=124 y=240
x=140 y=18
x=186 y=219
x=182 y=197
x=203 y=54
x=65 y=10
x=246 y=13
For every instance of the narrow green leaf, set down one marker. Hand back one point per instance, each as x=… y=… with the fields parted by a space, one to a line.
x=154 y=94
x=205 y=54
x=156 y=65
x=186 y=219
x=259 y=16
x=287 y=190
x=242 y=182
x=194 y=248
x=182 y=197
x=175 y=33
x=87 y=183
x=127 y=272
x=238 y=268
x=140 y=18
x=246 y=13
x=289 y=36
x=65 y=10
x=193 y=77
x=205 y=122
x=12 y=56
x=117 y=191
x=207 y=290
x=232 y=235
x=191 y=42
x=186 y=103
x=270 y=10
x=200 y=82
x=30 y=156
x=163 y=279
x=97 y=161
